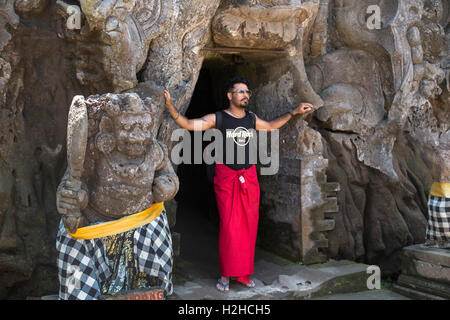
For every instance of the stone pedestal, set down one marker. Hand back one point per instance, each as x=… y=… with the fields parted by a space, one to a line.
x=298 y=204
x=425 y=273
x=295 y=224
x=318 y=204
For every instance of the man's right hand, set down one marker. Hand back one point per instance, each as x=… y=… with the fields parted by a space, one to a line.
x=174 y=113
x=206 y=122
x=167 y=99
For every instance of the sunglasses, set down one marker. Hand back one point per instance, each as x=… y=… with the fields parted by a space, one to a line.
x=242 y=91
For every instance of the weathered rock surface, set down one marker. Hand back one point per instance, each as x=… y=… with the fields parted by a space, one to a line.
x=381 y=134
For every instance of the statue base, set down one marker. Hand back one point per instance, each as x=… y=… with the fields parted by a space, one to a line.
x=141 y=294
x=425 y=273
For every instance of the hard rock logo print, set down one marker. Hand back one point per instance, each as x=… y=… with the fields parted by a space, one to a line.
x=241 y=136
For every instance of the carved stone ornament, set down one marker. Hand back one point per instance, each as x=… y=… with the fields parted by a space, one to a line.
x=271 y=27
x=112 y=32
x=354 y=175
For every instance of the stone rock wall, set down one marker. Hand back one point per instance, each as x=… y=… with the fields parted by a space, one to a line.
x=380 y=128
x=378 y=147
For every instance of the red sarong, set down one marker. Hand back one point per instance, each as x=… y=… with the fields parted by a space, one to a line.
x=237 y=194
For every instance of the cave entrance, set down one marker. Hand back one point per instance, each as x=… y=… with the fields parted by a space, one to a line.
x=197 y=218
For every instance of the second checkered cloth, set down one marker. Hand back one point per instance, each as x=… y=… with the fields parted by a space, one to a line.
x=84 y=266
x=438 y=227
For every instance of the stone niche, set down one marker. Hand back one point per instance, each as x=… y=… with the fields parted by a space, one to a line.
x=298 y=204
x=263 y=42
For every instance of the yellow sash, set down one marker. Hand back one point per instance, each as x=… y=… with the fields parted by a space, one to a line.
x=124 y=224
x=440 y=189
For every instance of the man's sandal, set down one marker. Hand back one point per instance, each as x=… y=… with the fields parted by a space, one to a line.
x=249 y=285
x=222 y=287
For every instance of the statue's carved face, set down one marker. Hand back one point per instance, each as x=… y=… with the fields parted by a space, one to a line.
x=121 y=122
x=133 y=133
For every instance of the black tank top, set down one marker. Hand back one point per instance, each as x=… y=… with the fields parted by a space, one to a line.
x=239 y=138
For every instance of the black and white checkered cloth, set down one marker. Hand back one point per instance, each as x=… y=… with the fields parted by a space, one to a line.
x=83 y=264
x=438 y=227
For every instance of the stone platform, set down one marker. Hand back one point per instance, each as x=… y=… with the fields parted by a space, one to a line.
x=275 y=279
x=197 y=269
x=425 y=273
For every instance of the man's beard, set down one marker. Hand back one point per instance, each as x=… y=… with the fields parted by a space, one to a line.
x=243 y=103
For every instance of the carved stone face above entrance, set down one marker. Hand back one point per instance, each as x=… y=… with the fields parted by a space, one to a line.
x=259 y=24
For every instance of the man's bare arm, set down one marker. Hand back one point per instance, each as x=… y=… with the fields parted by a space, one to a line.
x=281 y=121
x=274 y=124
x=200 y=124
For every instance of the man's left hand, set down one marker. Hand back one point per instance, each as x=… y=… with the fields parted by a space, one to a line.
x=302 y=108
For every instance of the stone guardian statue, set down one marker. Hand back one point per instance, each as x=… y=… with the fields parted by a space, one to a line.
x=114 y=234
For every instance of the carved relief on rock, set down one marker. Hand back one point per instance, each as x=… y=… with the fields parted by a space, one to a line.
x=9 y=241
x=28 y=6
x=426 y=122
x=350 y=83
x=397 y=48
x=262 y=24
x=434 y=20
x=8 y=20
x=114 y=40
x=399 y=74
x=378 y=85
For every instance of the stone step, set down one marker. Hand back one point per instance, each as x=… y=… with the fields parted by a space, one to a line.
x=325 y=225
x=332 y=187
x=331 y=205
x=425 y=273
x=320 y=243
x=414 y=294
x=49 y=297
x=426 y=286
x=276 y=281
x=381 y=294
x=346 y=277
x=432 y=255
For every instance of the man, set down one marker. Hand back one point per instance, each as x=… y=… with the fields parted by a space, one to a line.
x=236 y=184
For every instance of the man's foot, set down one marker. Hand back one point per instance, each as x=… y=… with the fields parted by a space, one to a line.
x=250 y=284
x=223 y=284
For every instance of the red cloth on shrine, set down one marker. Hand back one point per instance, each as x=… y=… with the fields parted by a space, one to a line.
x=237 y=195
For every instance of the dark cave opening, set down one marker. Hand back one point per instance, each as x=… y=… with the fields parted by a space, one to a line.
x=197 y=217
